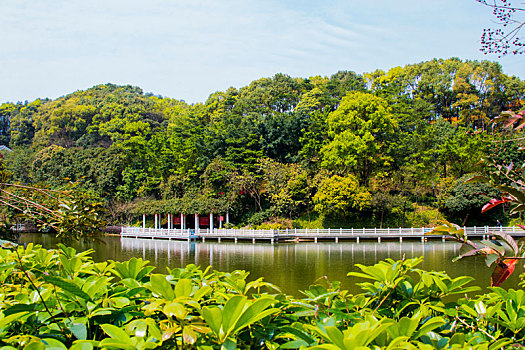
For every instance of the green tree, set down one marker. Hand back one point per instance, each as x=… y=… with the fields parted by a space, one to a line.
x=340 y=196
x=464 y=201
x=359 y=129
x=286 y=187
x=22 y=123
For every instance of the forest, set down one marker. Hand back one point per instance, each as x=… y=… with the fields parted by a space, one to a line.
x=380 y=149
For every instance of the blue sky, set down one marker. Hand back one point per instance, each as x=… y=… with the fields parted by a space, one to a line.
x=187 y=49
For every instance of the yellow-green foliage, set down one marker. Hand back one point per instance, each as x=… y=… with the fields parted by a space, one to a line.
x=425 y=217
x=341 y=195
x=275 y=224
x=62 y=299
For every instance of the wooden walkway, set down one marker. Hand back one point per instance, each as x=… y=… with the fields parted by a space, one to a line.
x=297 y=235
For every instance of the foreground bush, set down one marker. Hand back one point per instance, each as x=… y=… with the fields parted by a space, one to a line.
x=59 y=299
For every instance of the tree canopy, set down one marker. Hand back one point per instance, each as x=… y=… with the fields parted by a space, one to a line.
x=405 y=133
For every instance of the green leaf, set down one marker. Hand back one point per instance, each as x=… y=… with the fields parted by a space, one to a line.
x=134 y=268
x=442 y=343
x=500 y=344
x=478 y=178
x=254 y=313
x=79 y=330
x=335 y=336
x=113 y=343
x=53 y=344
x=81 y=346
x=19 y=308
x=496 y=246
x=67 y=286
x=407 y=326
x=117 y=334
x=508 y=239
x=153 y=328
x=231 y=312
x=229 y=344
x=299 y=333
x=201 y=292
x=160 y=286
x=294 y=344
x=439 y=282
x=213 y=317
x=519 y=195
x=491 y=258
x=7 y=320
x=396 y=343
x=517 y=209
x=429 y=326
x=175 y=309
x=35 y=346
x=183 y=288
x=457 y=338
x=92 y=287
x=189 y=336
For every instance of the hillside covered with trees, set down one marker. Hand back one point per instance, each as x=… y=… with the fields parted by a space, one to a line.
x=378 y=149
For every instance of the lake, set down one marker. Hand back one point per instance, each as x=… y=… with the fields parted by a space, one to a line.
x=291 y=266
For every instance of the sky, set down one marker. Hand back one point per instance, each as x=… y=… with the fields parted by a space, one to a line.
x=188 y=49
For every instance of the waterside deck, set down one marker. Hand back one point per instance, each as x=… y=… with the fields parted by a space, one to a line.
x=297 y=235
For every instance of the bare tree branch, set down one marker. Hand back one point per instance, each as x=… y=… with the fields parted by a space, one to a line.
x=505 y=39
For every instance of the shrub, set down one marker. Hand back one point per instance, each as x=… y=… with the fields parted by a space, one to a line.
x=59 y=299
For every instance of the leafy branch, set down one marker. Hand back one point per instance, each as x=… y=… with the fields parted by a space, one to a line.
x=502 y=251
x=71 y=212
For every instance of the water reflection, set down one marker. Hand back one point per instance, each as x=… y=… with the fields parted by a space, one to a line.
x=291 y=266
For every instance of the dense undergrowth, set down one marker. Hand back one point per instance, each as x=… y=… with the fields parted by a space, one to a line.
x=58 y=299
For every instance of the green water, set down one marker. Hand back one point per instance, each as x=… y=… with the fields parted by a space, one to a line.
x=292 y=266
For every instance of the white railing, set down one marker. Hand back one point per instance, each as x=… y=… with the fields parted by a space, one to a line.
x=306 y=233
x=152 y=232
x=227 y=233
